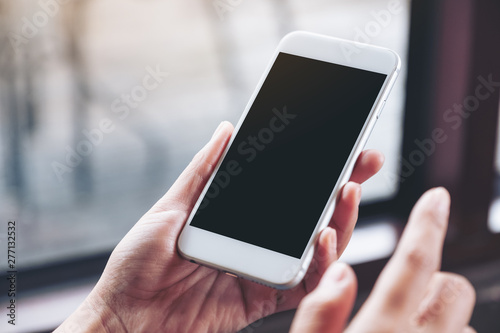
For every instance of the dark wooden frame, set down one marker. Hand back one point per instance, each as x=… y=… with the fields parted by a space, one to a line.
x=452 y=43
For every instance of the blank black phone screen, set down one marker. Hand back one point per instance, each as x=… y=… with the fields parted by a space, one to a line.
x=283 y=164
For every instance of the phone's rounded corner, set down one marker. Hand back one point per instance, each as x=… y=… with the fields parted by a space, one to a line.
x=185 y=256
x=397 y=61
x=287 y=284
x=295 y=275
x=391 y=60
x=292 y=36
x=179 y=246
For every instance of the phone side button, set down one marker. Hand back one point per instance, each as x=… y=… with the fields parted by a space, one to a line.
x=380 y=110
x=230 y=274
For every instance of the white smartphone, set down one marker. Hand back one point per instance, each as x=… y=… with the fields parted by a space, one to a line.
x=293 y=149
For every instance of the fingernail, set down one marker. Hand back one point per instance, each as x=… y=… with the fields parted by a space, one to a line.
x=339 y=271
x=358 y=191
x=217 y=129
x=333 y=244
x=355 y=188
x=441 y=200
x=330 y=254
x=336 y=279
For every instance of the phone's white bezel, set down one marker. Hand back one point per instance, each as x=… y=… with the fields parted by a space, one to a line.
x=265 y=266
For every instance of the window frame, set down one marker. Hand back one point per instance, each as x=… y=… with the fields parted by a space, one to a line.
x=441 y=51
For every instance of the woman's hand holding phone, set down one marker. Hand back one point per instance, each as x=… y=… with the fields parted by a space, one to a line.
x=148 y=287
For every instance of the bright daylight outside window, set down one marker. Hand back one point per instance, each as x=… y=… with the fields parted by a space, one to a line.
x=104 y=102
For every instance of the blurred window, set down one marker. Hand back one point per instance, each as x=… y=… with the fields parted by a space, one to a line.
x=103 y=103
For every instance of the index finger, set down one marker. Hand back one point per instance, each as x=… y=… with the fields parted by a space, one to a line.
x=418 y=255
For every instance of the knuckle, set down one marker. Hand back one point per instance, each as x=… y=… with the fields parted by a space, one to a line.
x=418 y=260
x=453 y=288
x=199 y=157
x=201 y=162
x=395 y=300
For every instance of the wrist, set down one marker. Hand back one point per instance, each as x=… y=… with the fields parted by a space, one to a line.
x=92 y=315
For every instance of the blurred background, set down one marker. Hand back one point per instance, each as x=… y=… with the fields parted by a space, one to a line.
x=103 y=103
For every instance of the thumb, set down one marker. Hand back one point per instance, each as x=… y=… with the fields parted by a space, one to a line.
x=327 y=308
x=185 y=191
